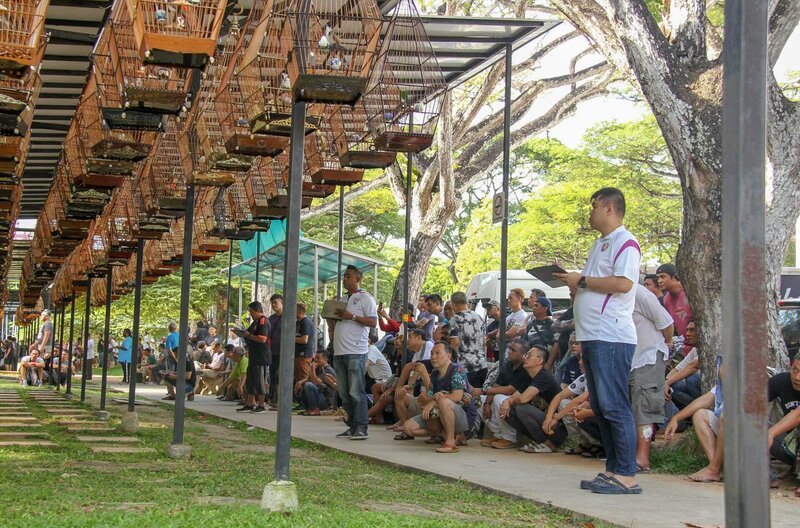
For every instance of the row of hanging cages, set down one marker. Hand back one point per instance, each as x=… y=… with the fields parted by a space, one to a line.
x=163 y=182
x=22 y=34
x=233 y=218
x=176 y=32
x=135 y=95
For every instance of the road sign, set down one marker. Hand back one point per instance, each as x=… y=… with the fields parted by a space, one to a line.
x=498 y=208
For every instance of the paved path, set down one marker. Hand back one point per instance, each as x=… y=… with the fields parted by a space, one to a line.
x=667 y=501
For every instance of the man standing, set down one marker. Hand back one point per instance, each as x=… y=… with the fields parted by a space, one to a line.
x=89 y=357
x=303 y=344
x=44 y=339
x=467 y=338
x=276 y=303
x=350 y=347
x=258 y=353
x=604 y=301
x=675 y=300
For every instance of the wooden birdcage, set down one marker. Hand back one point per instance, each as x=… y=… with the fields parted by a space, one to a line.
x=60 y=224
x=176 y=32
x=18 y=97
x=263 y=182
x=145 y=226
x=163 y=183
x=354 y=142
x=206 y=162
x=232 y=215
x=22 y=34
x=405 y=94
x=332 y=45
x=323 y=166
x=203 y=230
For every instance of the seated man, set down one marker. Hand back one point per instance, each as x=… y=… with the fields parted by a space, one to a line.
x=525 y=411
x=60 y=368
x=785 y=388
x=171 y=378
x=378 y=368
x=682 y=385
x=780 y=442
x=211 y=373
x=446 y=408
x=571 y=369
x=143 y=367
x=31 y=369
x=398 y=390
x=233 y=387
x=157 y=371
x=512 y=377
x=317 y=392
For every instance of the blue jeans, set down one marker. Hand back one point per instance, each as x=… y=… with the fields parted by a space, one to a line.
x=686 y=390
x=608 y=367
x=350 y=369
x=314 y=398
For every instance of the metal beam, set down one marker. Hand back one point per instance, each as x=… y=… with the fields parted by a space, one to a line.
x=137 y=312
x=71 y=343
x=504 y=226
x=86 y=318
x=744 y=325
x=106 y=336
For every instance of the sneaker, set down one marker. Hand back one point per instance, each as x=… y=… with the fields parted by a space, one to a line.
x=360 y=434
x=258 y=409
x=37 y=383
x=245 y=408
x=346 y=434
x=487 y=442
x=534 y=447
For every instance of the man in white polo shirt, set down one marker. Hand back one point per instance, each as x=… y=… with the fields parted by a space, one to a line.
x=350 y=347
x=604 y=301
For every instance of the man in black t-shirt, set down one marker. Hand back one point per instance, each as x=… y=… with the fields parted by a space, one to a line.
x=512 y=377
x=258 y=353
x=303 y=344
x=785 y=387
x=526 y=411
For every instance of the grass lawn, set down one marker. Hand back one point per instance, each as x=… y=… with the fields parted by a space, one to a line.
x=68 y=486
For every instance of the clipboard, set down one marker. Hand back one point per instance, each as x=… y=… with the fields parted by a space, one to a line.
x=545 y=274
x=329 y=308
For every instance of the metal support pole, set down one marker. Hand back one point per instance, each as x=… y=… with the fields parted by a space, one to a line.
x=504 y=226
x=744 y=373
x=340 y=246
x=241 y=290
x=87 y=315
x=54 y=320
x=316 y=287
x=290 y=276
x=60 y=343
x=137 y=312
x=258 y=264
x=405 y=319
x=324 y=322
x=183 y=343
x=106 y=337
x=228 y=296
x=71 y=344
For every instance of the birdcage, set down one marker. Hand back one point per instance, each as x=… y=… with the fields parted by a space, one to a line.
x=22 y=34
x=204 y=236
x=263 y=182
x=206 y=162
x=18 y=97
x=145 y=226
x=163 y=184
x=176 y=32
x=97 y=249
x=404 y=98
x=332 y=45
x=90 y=172
x=61 y=225
x=354 y=143
x=323 y=166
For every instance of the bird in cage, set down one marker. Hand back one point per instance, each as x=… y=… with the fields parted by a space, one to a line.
x=335 y=62
x=286 y=83
x=312 y=59
x=161 y=16
x=286 y=99
x=325 y=40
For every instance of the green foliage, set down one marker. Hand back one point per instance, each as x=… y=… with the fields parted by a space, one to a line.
x=438 y=279
x=552 y=222
x=791 y=88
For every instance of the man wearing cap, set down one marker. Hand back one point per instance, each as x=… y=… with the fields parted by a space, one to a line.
x=492 y=328
x=44 y=339
x=604 y=301
x=539 y=328
x=675 y=300
x=467 y=338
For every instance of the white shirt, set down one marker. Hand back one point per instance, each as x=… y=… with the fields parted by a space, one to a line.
x=578 y=386
x=516 y=319
x=377 y=366
x=217 y=360
x=650 y=318
x=90 y=349
x=424 y=352
x=350 y=337
x=609 y=317
x=691 y=356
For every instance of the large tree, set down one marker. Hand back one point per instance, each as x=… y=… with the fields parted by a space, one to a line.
x=672 y=52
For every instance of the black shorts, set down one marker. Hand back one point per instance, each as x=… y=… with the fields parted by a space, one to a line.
x=256 y=380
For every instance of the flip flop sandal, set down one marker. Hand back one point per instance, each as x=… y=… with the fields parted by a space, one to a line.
x=309 y=413
x=403 y=436
x=434 y=440
x=575 y=450
x=592 y=452
x=447 y=448
x=612 y=486
x=642 y=469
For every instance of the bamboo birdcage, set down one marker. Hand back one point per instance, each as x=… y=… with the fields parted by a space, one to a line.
x=145 y=226
x=354 y=142
x=22 y=34
x=176 y=32
x=205 y=160
x=18 y=97
x=324 y=167
x=405 y=94
x=204 y=236
x=163 y=182
x=232 y=215
x=263 y=182
x=332 y=45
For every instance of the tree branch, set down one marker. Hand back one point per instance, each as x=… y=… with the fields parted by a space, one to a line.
x=397 y=184
x=784 y=16
x=687 y=22
x=333 y=205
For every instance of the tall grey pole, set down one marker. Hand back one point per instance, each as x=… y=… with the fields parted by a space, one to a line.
x=405 y=319
x=60 y=343
x=183 y=343
x=241 y=290
x=744 y=117
x=54 y=318
x=258 y=264
x=340 y=246
x=137 y=313
x=504 y=226
x=316 y=286
x=290 y=276
x=71 y=344
x=86 y=317
x=106 y=336
x=228 y=296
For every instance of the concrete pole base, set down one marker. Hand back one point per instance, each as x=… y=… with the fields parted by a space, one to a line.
x=103 y=415
x=280 y=496
x=179 y=451
x=130 y=422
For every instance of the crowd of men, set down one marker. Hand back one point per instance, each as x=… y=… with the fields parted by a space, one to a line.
x=597 y=380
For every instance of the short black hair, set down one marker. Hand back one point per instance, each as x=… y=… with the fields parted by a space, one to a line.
x=450 y=350
x=419 y=332
x=434 y=297
x=355 y=270
x=229 y=347
x=652 y=276
x=541 y=351
x=276 y=297
x=613 y=196
x=256 y=306
x=538 y=292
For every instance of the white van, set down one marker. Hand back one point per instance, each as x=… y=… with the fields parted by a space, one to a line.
x=486 y=286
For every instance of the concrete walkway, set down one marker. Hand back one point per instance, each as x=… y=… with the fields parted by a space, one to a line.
x=552 y=479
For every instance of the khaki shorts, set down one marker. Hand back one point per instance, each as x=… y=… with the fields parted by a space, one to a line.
x=461 y=423
x=647 y=392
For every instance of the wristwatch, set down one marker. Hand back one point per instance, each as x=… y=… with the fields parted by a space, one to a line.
x=582 y=283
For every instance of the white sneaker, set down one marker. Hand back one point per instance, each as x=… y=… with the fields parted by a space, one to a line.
x=37 y=383
x=533 y=447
